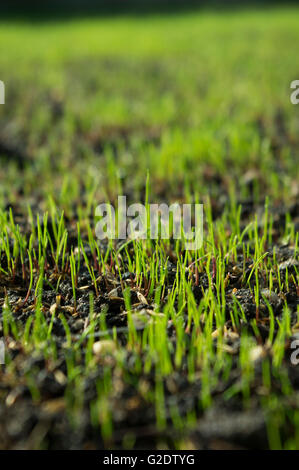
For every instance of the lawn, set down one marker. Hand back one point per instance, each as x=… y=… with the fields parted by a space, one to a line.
x=141 y=343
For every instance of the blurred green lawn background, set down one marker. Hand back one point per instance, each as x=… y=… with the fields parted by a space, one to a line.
x=180 y=91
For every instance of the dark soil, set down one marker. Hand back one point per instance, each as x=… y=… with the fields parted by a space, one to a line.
x=44 y=422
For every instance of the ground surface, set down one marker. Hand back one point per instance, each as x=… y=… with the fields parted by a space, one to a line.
x=146 y=345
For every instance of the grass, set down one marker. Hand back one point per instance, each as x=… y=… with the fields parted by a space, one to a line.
x=141 y=343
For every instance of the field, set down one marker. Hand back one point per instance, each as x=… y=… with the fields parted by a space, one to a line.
x=130 y=344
